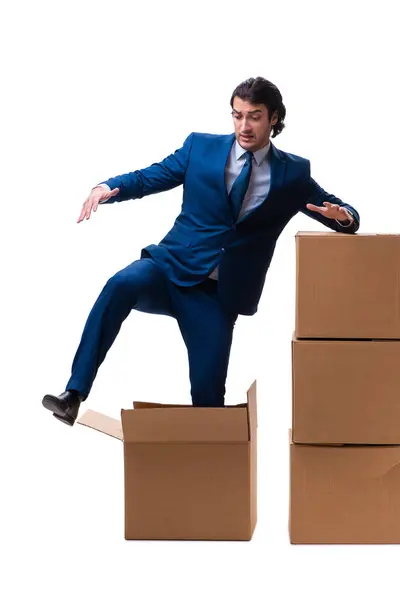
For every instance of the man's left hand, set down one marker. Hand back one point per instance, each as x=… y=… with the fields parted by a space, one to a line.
x=332 y=211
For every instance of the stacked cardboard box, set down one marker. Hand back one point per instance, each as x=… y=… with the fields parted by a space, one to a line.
x=345 y=436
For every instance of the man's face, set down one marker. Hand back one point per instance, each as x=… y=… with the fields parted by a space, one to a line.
x=252 y=124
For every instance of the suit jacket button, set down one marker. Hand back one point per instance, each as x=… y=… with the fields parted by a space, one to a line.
x=222 y=249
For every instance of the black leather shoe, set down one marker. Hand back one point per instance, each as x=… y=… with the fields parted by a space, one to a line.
x=64 y=407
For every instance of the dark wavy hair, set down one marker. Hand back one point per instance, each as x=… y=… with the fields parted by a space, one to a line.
x=261 y=91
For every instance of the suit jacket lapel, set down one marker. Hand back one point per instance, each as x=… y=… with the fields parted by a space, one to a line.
x=223 y=156
x=278 y=169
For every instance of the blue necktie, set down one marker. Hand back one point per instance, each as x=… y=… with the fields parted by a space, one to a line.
x=240 y=186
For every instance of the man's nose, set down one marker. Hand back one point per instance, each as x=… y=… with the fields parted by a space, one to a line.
x=245 y=126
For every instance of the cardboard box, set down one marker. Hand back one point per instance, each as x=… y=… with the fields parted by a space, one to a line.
x=344 y=494
x=190 y=472
x=347 y=285
x=346 y=391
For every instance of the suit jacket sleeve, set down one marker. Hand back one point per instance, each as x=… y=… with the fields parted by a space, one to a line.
x=159 y=177
x=314 y=194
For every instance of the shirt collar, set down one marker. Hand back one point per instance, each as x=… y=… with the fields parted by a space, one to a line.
x=259 y=155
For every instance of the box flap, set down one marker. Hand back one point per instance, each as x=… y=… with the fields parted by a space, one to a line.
x=102 y=423
x=252 y=409
x=223 y=424
x=140 y=404
x=198 y=424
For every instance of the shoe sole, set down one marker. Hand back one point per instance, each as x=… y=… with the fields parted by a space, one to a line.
x=66 y=420
x=52 y=404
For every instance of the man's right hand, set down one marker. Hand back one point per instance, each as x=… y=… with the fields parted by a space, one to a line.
x=99 y=194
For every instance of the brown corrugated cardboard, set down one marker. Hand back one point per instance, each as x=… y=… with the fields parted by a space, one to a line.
x=190 y=472
x=344 y=495
x=346 y=391
x=347 y=285
x=102 y=423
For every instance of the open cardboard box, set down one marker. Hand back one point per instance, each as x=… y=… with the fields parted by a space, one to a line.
x=190 y=472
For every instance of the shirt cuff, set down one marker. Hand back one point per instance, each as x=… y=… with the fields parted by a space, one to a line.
x=351 y=219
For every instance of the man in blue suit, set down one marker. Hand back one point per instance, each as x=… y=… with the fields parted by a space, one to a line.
x=239 y=193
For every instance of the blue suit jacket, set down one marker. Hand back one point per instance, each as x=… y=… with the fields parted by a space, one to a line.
x=205 y=235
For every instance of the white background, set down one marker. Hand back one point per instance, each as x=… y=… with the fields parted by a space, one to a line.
x=96 y=90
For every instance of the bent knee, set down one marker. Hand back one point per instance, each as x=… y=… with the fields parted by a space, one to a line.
x=132 y=279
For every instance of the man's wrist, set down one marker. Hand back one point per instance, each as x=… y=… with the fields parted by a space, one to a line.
x=103 y=186
x=348 y=221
